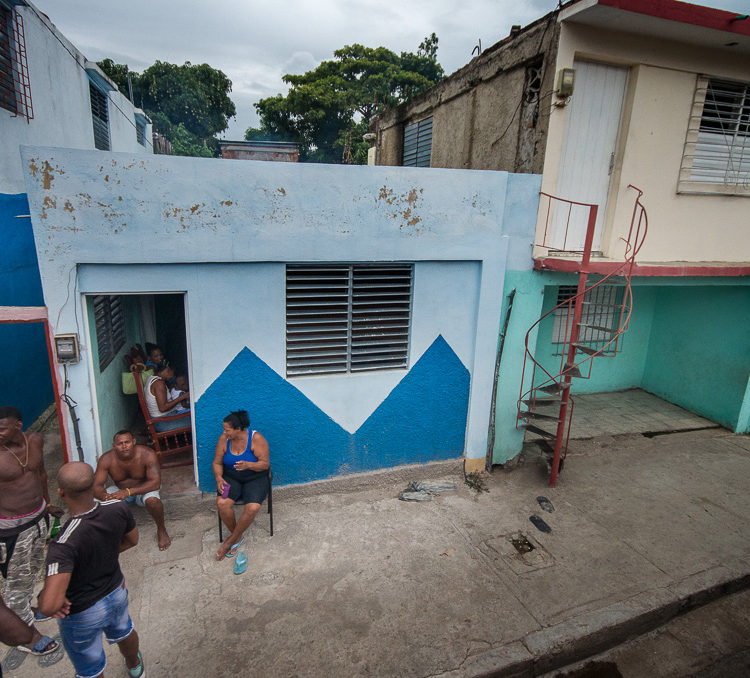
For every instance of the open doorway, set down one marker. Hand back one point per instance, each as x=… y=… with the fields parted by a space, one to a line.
x=117 y=323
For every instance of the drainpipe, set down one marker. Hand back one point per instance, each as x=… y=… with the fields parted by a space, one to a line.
x=491 y=433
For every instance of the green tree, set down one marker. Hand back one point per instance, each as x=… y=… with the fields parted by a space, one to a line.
x=326 y=109
x=188 y=104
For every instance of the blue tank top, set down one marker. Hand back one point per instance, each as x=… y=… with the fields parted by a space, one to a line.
x=231 y=459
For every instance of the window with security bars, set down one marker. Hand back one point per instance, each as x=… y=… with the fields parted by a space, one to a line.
x=347 y=318
x=109 y=320
x=100 y=117
x=140 y=132
x=7 y=85
x=417 y=144
x=602 y=306
x=717 y=149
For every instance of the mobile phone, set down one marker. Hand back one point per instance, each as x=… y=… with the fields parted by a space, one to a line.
x=225 y=490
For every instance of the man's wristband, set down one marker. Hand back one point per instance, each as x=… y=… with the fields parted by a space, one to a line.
x=128 y=491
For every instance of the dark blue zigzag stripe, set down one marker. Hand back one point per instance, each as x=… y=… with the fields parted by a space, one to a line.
x=422 y=419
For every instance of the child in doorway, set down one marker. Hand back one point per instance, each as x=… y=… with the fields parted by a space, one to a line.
x=180 y=386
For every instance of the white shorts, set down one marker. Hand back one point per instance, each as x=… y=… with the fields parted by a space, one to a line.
x=137 y=499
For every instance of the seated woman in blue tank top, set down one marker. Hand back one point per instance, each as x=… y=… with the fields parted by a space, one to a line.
x=240 y=467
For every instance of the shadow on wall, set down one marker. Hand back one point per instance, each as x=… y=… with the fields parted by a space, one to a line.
x=423 y=419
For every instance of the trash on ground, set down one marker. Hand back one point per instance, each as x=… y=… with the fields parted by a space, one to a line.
x=546 y=504
x=423 y=490
x=539 y=524
x=448 y=552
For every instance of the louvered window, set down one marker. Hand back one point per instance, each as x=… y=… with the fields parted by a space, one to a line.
x=601 y=308
x=347 y=318
x=717 y=149
x=100 y=117
x=7 y=86
x=110 y=328
x=418 y=144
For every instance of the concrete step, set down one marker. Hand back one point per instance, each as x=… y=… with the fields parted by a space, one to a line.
x=589 y=634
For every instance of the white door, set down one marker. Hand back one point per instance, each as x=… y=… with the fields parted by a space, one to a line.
x=589 y=145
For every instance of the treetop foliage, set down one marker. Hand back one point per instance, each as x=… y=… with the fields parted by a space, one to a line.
x=327 y=108
x=188 y=104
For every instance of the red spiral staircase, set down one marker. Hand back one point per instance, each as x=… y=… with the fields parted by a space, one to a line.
x=545 y=401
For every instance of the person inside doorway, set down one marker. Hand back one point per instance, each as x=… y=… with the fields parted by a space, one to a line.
x=161 y=405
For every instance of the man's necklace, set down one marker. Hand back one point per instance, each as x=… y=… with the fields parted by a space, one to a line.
x=25 y=463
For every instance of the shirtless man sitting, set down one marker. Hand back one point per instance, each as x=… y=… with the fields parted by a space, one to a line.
x=135 y=472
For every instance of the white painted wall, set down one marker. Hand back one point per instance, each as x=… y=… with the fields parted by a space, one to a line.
x=62 y=109
x=682 y=228
x=221 y=230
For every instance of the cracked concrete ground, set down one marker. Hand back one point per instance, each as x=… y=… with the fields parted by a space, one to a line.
x=355 y=582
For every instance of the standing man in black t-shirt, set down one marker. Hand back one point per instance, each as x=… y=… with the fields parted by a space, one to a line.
x=85 y=588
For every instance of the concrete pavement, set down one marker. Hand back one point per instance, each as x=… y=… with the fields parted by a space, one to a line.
x=355 y=582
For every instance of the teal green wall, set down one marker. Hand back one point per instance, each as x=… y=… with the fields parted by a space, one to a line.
x=699 y=353
x=116 y=410
x=688 y=342
x=527 y=306
x=624 y=370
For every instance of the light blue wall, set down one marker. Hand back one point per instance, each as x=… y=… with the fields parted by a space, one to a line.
x=25 y=380
x=223 y=231
x=699 y=353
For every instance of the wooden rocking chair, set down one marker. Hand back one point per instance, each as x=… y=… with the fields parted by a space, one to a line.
x=166 y=443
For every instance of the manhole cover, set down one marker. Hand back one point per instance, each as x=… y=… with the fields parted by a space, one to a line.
x=519 y=551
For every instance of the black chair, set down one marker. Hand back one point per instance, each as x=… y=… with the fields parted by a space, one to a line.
x=241 y=503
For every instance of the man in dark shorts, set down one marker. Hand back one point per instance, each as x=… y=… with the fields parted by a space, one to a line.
x=135 y=472
x=24 y=520
x=85 y=588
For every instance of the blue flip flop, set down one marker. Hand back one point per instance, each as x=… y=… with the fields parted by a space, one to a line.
x=240 y=565
x=233 y=551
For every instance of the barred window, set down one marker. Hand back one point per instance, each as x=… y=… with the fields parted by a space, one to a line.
x=717 y=148
x=100 y=117
x=602 y=306
x=110 y=328
x=347 y=318
x=7 y=85
x=418 y=144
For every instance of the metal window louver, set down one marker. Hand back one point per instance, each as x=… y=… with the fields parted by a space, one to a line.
x=109 y=321
x=717 y=149
x=418 y=144
x=140 y=132
x=347 y=318
x=100 y=117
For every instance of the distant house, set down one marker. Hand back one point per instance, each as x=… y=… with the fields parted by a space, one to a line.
x=276 y=151
x=600 y=96
x=50 y=94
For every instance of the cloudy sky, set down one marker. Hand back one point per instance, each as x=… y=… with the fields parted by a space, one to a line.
x=256 y=43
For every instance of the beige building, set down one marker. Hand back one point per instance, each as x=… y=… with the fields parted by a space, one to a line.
x=598 y=97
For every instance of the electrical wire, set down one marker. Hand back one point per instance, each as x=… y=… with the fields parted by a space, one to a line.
x=75 y=60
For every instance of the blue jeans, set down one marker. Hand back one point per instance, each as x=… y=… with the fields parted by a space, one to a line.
x=162 y=426
x=81 y=633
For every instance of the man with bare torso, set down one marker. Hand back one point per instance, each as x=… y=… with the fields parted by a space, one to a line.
x=24 y=520
x=135 y=471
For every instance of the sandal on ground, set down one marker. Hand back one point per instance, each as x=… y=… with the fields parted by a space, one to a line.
x=39 y=616
x=138 y=671
x=240 y=565
x=45 y=645
x=233 y=550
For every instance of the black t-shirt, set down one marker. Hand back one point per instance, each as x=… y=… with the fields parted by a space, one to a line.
x=88 y=547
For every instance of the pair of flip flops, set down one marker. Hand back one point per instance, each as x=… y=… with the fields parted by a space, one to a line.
x=47 y=655
x=232 y=552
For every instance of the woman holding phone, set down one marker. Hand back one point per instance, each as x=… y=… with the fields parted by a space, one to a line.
x=240 y=467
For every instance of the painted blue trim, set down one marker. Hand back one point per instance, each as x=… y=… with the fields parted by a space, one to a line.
x=422 y=419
